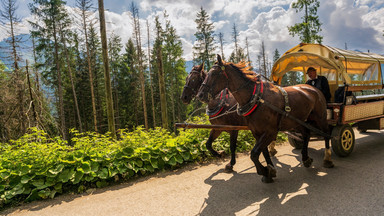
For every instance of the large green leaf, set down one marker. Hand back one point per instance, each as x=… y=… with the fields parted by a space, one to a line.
x=145 y=156
x=25 y=169
x=138 y=162
x=39 y=183
x=66 y=175
x=185 y=155
x=86 y=166
x=179 y=159
x=122 y=168
x=44 y=193
x=172 y=161
x=103 y=173
x=4 y=174
x=154 y=163
x=94 y=166
x=78 y=176
x=56 y=170
x=25 y=179
x=128 y=150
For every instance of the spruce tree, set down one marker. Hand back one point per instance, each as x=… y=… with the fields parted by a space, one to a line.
x=308 y=30
x=51 y=15
x=204 y=49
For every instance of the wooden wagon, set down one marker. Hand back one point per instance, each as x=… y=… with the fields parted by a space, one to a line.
x=356 y=76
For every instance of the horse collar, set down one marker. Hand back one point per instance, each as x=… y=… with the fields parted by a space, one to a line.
x=253 y=102
x=217 y=110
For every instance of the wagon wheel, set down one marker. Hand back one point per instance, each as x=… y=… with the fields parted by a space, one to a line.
x=343 y=140
x=297 y=144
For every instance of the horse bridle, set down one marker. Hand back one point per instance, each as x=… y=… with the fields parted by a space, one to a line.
x=194 y=91
x=222 y=70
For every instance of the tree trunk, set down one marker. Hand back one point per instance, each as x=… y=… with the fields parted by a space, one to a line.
x=163 y=100
x=140 y=59
x=35 y=122
x=90 y=72
x=150 y=79
x=111 y=118
x=71 y=79
x=63 y=125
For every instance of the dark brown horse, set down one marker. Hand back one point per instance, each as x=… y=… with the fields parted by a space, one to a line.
x=217 y=106
x=253 y=95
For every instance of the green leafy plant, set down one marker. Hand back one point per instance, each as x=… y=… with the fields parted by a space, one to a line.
x=38 y=167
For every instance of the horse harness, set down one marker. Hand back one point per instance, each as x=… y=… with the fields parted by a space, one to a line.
x=220 y=106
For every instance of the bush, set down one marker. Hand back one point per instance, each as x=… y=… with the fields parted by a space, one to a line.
x=38 y=167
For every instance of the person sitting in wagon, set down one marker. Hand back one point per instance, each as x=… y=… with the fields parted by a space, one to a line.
x=320 y=82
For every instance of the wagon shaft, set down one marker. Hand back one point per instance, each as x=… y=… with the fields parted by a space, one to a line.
x=215 y=127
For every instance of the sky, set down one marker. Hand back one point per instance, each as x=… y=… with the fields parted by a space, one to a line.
x=355 y=24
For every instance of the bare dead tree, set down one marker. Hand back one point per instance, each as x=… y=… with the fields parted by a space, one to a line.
x=85 y=6
x=150 y=78
x=136 y=24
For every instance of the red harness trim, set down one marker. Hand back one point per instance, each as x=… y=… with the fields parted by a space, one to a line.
x=221 y=96
x=254 y=90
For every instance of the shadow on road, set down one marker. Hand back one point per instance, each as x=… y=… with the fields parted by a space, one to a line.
x=352 y=187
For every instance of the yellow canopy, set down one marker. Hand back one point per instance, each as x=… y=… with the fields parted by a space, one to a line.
x=339 y=66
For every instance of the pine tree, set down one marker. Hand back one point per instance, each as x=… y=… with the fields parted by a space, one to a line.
x=158 y=58
x=204 y=48
x=114 y=46
x=221 y=41
x=309 y=29
x=276 y=55
x=11 y=22
x=175 y=69
x=85 y=7
x=51 y=14
x=235 y=35
x=107 y=78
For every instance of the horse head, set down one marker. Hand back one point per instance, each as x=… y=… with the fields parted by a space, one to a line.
x=215 y=81
x=193 y=83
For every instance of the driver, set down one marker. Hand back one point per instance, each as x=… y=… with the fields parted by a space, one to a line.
x=319 y=82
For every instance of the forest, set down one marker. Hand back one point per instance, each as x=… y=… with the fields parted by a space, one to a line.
x=66 y=75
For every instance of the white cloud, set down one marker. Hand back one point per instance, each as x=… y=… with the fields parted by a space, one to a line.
x=359 y=23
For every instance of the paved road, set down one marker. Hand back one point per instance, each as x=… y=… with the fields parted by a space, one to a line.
x=354 y=187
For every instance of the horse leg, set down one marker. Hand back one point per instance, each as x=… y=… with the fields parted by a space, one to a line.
x=212 y=136
x=270 y=167
x=272 y=149
x=261 y=145
x=307 y=161
x=233 y=137
x=327 y=162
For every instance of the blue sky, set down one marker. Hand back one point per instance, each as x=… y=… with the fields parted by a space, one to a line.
x=357 y=23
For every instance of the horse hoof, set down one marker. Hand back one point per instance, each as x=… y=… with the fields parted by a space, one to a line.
x=221 y=154
x=271 y=171
x=328 y=164
x=266 y=179
x=228 y=168
x=272 y=152
x=308 y=162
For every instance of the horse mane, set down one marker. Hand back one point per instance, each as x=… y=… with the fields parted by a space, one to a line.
x=244 y=67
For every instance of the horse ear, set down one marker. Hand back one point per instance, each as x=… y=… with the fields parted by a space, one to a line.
x=220 y=62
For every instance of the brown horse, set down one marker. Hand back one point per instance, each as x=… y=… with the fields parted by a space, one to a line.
x=217 y=106
x=255 y=99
